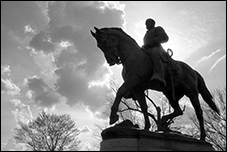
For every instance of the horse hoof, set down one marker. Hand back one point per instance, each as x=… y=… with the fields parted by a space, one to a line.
x=113 y=119
x=146 y=129
x=164 y=119
x=202 y=138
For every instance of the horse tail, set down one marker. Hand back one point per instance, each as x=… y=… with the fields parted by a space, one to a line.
x=203 y=90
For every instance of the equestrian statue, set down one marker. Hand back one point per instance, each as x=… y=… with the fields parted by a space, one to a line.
x=151 y=67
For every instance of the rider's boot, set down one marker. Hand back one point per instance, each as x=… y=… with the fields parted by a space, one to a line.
x=159 y=73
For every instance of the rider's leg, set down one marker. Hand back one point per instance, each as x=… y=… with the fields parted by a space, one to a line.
x=158 y=68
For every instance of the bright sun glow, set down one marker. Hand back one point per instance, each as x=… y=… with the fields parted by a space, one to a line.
x=140 y=31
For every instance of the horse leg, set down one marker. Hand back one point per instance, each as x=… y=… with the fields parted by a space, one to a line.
x=174 y=104
x=125 y=87
x=199 y=113
x=143 y=105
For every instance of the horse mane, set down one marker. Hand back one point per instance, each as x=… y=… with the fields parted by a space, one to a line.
x=120 y=29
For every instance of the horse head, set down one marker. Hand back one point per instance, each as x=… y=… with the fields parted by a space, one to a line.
x=108 y=44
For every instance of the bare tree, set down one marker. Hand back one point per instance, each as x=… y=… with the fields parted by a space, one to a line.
x=215 y=125
x=130 y=109
x=48 y=132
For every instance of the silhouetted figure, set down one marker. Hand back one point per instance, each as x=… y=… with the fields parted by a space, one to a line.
x=119 y=48
x=152 y=44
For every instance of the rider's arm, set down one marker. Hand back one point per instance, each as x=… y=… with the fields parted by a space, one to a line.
x=162 y=37
x=147 y=43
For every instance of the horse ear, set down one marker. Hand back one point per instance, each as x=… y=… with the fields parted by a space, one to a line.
x=93 y=34
x=97 y=30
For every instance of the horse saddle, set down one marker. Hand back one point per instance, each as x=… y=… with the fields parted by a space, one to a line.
x=173 y=66
x=166 y=58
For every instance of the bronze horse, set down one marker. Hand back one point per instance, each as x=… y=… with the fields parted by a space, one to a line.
x=119 y=48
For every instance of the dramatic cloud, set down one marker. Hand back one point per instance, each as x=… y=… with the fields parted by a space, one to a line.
x=42 y=42
x=40 y=92
x=22 y=113
x=73 y=84
x=86 y=129
x=11 y=146
x=205 y=58
x=79 y=63
x=7 y=86
x=214 y=65
x=28 y=29
x=5 y=70
x=16 y=14
x=46 y=66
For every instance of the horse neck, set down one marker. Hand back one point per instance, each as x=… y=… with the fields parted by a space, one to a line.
x=125 y=49
x=126 y=45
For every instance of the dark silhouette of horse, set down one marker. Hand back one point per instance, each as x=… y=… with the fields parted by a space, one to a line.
x=119 y=48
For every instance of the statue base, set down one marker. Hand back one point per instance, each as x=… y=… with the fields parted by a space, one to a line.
x=120 y=138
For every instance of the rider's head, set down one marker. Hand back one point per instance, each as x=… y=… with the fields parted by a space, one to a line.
x=149 y=23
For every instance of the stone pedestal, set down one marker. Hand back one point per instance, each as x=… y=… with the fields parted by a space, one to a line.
x=134 y=139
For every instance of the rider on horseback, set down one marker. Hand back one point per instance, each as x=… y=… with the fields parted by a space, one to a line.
x=152 y=44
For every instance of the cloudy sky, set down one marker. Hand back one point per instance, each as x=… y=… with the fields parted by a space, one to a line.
x=50 y=61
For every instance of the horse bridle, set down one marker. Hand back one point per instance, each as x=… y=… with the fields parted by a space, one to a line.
x=111 y=43
x=113 y=47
